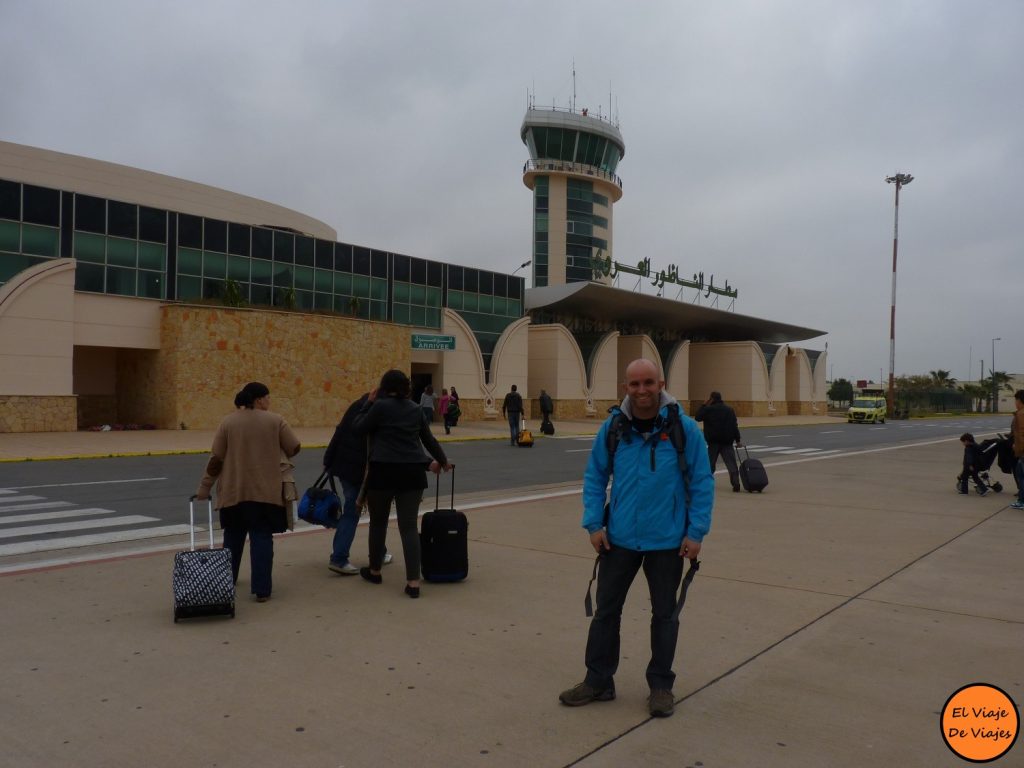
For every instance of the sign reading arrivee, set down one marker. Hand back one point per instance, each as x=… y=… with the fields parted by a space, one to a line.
x=432 y=341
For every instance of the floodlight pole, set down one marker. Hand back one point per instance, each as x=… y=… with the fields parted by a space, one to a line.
x=995 y=388
x=900 y=180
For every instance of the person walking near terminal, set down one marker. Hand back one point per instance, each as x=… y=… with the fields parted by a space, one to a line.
x=512 y=407
x=427 y=403
x=1017 y=431
x=722 y=431
x=442 y=408
x=656 y=516
x=547 y=407
x=397 y=471
x=454 y=412
x=245 y=464
x=345 y=458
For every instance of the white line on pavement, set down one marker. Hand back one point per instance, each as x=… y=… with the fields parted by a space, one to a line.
x=798 y=450
x=832 y=432
x=112 y=537
x=7 y=499
x=778 y=435
x=56 y=515
x=107 y=522
x=578 y=450
x=36 y=505
x=92 y=482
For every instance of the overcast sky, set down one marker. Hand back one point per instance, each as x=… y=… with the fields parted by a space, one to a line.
x=758 y=138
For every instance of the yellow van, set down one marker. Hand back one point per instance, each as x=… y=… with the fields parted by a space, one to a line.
x=868 y=406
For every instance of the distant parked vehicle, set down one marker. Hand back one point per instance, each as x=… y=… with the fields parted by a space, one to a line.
x=867 y=407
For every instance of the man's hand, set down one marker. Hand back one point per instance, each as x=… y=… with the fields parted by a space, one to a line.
x=202 y=494
x=435 y=467
x=599 y=541
x=689 y=549
x=372 y=396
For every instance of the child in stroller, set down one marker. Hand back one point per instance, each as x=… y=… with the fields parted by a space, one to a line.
x=978 y=459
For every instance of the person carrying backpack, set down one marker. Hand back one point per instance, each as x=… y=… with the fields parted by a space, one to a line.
x=547 y=407
x=512 y=407
x=657 y=516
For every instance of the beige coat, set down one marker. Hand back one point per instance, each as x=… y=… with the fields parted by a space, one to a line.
x=246 y=458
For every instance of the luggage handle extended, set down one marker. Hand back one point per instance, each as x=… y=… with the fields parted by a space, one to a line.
x=192 y=522
x=437 y=490
x=745 y=450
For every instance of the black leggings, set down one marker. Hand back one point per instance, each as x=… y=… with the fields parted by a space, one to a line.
x=407 y=505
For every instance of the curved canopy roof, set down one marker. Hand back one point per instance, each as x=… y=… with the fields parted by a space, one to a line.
x=603 y=302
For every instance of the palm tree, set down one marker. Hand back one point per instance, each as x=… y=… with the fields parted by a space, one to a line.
x=976 y=392
x=997 y=381
x=942 y=380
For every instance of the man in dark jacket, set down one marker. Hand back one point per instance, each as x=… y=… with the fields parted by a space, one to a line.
x=345 y=457
x=547 y=407
x=721 y=431
x=512 y=408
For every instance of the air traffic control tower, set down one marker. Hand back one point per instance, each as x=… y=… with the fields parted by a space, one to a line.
x=571 y=170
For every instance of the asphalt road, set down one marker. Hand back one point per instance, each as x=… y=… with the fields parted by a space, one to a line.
x=56 y=505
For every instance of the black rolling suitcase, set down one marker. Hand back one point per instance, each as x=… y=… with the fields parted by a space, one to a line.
x=752 y=473
x=203 y=582
x=444 y=541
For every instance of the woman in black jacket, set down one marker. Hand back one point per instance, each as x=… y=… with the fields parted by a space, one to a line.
x=398 y=432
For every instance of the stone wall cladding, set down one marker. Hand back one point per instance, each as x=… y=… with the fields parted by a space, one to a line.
x=314 y=365
x=27 y=413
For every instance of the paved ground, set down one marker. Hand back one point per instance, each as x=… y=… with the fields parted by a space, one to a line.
x=831 y=619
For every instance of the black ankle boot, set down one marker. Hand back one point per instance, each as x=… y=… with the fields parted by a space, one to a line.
x=371 y=577
x=412 y=592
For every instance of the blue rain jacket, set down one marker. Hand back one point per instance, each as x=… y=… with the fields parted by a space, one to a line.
x=650 y=507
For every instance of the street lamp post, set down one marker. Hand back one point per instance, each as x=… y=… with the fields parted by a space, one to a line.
x=526 y=263
x=995 y=387
x=900 y=180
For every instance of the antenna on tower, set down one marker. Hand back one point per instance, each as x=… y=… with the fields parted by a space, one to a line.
x=574 y=85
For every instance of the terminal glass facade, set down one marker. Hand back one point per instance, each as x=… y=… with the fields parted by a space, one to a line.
x=540 y=231
x=133 y=250
x=584 y=226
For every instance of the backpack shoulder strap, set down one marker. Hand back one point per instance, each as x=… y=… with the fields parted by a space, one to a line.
x=677 y=436
x=613 y=436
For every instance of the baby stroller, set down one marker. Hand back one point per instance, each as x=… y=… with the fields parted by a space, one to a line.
x=988 y=451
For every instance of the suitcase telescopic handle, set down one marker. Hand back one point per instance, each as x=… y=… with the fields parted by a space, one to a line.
x=192 y=521
x=437 y=490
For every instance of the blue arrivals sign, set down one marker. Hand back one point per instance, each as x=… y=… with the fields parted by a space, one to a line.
x=432 y=341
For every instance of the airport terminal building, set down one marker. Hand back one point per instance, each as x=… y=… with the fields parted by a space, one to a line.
x=130 y=297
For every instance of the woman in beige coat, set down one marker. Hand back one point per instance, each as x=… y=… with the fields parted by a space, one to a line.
x=246 y=466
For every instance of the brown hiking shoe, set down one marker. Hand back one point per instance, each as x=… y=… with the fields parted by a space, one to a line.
x=582 y=694
x=660 y=703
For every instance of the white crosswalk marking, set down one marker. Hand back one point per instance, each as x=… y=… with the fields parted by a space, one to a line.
x=798 y=450
x=35 y=505
x=13 y=498
x=56 y=515
x=107 y=522
x=110 y=537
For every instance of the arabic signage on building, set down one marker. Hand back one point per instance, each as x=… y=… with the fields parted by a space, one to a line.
x=605 y=267
x=432 y=341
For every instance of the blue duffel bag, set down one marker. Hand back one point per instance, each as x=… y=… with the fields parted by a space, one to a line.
x=321 y=505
